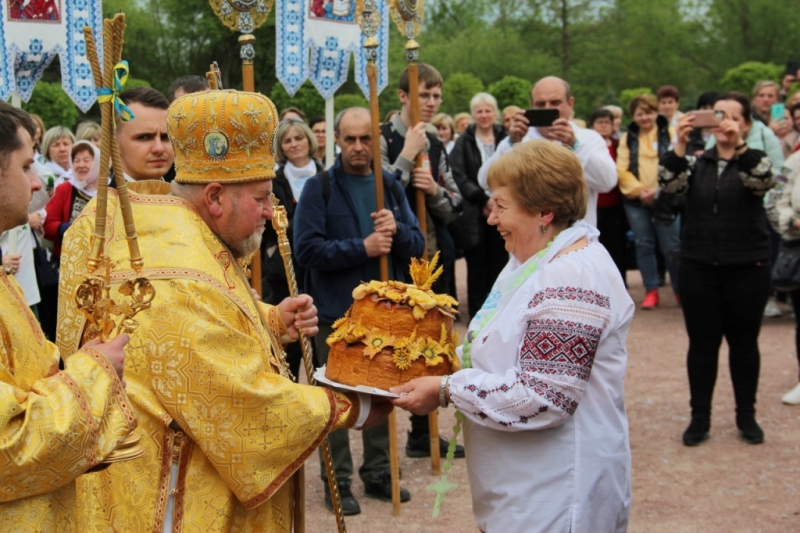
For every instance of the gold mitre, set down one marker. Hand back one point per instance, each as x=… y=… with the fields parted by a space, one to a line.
x=222 y=136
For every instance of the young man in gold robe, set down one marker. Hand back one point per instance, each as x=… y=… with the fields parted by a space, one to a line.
x=54 y=425
x=223 y=429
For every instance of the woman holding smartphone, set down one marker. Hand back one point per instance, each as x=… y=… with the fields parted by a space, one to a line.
x=724 y=261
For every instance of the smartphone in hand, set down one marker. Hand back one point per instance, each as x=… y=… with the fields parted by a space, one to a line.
x=541 y=118
x=707 y=118
x=778 y=112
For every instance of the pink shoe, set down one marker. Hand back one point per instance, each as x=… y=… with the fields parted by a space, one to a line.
x=650 y=299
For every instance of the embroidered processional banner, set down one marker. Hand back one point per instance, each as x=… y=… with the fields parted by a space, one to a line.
x=32 y=32
x=315 y=39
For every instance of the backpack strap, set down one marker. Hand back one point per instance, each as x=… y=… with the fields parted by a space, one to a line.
x=325 y=185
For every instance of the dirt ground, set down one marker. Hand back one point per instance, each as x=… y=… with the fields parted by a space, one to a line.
x=724 y=485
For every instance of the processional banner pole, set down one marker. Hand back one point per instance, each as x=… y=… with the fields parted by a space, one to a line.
x=246 y=16
x=409 y=15
x=370 y=22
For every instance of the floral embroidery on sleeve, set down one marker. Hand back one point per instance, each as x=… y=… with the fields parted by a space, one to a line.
x=556 y=354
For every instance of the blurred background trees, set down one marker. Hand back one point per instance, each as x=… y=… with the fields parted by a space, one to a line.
x=604 y=48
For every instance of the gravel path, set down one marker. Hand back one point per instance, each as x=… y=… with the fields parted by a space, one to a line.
x=723 y=486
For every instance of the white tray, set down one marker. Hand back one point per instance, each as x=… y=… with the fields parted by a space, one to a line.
x=319 y=375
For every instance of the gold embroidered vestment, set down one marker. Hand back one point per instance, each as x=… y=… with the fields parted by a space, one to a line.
x=202 y=361
x=54 y=425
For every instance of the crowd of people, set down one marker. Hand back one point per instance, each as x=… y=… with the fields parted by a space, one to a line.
x=548 y=216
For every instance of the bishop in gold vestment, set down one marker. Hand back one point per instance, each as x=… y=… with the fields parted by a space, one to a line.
x=54 y=425
x=203 y=368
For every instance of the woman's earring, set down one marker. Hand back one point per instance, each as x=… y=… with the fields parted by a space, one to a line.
x=543 y=229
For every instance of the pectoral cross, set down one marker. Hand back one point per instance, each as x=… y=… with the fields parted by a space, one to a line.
x=441 y=488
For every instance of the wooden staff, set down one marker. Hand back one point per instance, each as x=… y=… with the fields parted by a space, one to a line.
x=249 y=85
x=370 y=21
x=106 y=81
x=113 y=30
x=106 y=113
x=280 y=222
x=408 y=15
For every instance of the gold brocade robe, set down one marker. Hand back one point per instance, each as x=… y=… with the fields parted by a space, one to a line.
x=202 y=357
x=54 y=425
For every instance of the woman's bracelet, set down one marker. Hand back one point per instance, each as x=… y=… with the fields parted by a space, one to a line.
x=443 y=391
x=743 y=145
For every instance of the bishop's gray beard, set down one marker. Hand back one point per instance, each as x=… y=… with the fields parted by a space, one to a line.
x=250 y=245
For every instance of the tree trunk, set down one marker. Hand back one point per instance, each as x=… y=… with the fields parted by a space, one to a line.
x=565 y=40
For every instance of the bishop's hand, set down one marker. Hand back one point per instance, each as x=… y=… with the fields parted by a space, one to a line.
x=300 y=315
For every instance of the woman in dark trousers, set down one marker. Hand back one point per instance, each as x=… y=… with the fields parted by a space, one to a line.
x=487 y=257
x=724 y=261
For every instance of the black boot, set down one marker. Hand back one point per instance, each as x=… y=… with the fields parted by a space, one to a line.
x=749 y=429
x=381 y=488
x=697 y=431
x=349 y=503
x=419 y=445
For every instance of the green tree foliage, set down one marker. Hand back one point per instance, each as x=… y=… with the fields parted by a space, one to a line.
x=601 y=47
x=50 y=102
x=458 y=90
x=343 y=101
x=136 y=82
x=627 y=95
x=743 y=77
x=511 y=90
x=306 y=99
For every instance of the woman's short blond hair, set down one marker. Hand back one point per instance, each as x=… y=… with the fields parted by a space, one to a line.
x=88 y=130
x=483 y=99
x=761 y=85
x=543 y=177
x=443 y=119
x=283 y=129
x=51 y=136
x=461 y=116
x=646 y=101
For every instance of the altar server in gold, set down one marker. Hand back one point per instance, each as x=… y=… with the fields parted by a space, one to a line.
x=54 y=425
x=222 y=426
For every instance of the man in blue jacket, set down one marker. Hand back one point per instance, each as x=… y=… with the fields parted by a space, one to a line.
x=338 y=237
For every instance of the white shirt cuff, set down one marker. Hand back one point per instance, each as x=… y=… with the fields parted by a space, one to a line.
x=365 y=402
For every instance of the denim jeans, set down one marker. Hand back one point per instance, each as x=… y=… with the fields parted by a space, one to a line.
x=640 y=219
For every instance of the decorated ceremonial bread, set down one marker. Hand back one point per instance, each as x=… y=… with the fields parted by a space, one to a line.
x=395 y=332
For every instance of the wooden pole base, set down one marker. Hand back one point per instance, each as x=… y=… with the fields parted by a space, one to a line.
x=395 y=464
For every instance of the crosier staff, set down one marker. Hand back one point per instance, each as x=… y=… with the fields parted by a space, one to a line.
x=408 y=15
x=281 y=223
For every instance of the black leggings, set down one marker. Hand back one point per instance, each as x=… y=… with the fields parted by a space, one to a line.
x=723 y=301
x=796 y=305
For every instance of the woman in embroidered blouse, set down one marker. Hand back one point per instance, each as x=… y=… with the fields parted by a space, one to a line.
x=543 y=362
x=724 y=261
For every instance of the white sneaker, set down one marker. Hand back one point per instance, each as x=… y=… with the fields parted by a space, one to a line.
x=793 y=396
x=771 y=309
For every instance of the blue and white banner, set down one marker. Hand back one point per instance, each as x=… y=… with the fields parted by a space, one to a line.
x=32 y=32
x=315 y=39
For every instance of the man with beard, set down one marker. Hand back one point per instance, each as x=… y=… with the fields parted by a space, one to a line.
x=224 y=428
